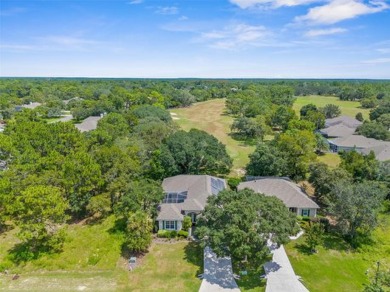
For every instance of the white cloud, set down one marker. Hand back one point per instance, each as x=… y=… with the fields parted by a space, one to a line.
x=134 y=2
x=68 y=41
x=383 y=50
x=183 y=17
x=55 y=43
x=245 y=4
x=235 y=36
x=321 y=32
x=339 y=10
x=167 y=10
x=16 y=47
x=377 y=61
x=12 y=11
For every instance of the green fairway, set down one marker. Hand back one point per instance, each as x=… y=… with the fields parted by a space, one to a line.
x=348 y=108
x=337 y=268
x=331 y=159
x=92 y=259
x=209 y=116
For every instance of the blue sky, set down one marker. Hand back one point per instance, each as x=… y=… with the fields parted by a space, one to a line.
x=204 y=38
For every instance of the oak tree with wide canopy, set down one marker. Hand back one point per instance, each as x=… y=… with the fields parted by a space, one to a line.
x=240 y=224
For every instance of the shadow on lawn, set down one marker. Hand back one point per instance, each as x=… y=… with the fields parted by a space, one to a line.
x=330 y=242
x=253 y=278
x=193 y=253
x=31 y=250
x=303 y=248
x=251 y=281
x=334 y=242
x=244 y=141
x=4 y=227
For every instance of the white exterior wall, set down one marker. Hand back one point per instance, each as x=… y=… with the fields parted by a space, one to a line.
x=179 y=224
x=313 y=212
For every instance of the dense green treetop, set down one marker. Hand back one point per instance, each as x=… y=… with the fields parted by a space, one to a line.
x=193 y=152
x=240 y=223
x=355 y=207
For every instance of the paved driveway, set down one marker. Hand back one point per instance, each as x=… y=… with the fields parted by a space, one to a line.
x=218 y=273
x=280 y=274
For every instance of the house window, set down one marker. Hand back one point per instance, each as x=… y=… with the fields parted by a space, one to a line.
x=175 y=197
x=305 y=212
x=293 y=210
x=170 y=225
x=217 y=185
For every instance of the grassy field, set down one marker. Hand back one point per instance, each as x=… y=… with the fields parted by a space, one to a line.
x=93 y=260
x=209 y=116
x=348 y=108
x=331 y=159
x=337 y=268
x=169 y=267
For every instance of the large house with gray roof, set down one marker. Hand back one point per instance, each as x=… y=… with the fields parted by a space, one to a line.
x=342 y=126
x=186 y=195
x=357 y=142
x=88 y=124
x=285 y=190
x=337 y=131
x=343 y=120
x=340 y=135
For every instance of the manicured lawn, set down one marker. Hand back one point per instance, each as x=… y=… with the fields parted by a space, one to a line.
x=331 y=159
x=93 y=258
x=348 y=108
x=209 y=116
x=168 y=267
x=337 y=268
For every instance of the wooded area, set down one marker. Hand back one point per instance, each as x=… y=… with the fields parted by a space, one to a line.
x=51 y=174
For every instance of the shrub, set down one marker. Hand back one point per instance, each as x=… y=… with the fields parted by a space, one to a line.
x=167 y=233
x=233 y=182
x=163 y=233
x=187 y=223
x=183 y=234
x=5 y=265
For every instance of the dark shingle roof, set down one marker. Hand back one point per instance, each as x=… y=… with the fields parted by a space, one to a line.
x=282 y=188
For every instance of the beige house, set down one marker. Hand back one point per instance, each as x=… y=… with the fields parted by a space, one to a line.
x=287 y=191
x=186 y=195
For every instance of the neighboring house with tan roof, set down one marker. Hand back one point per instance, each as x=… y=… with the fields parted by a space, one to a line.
x=336 y=131
x=186 y=195
x=344 y=120
x=88 y=124
x=382 y=152
x=31 y=105
x=340 y=134
x=357 y=142
x=285 y=190
x=342 y=126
